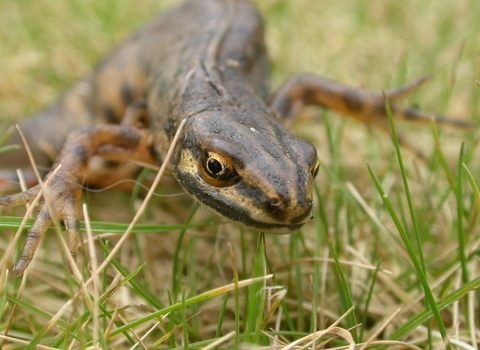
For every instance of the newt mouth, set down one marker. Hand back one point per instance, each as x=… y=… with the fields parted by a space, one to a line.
x=242 y=217
x=243 y=209
x=277 y=229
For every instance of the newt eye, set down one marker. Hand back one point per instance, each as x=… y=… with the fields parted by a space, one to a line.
x=217 y=170
x=214 y=167
x=315 y=168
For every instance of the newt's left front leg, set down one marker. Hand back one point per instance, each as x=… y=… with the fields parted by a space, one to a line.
x=364 y=105
x=61 y=197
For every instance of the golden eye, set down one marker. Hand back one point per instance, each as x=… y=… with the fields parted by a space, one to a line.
x=217 y=170
x=315 y=168
x=215 y=167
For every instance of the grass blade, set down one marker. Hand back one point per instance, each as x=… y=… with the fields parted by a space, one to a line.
x=411 y=252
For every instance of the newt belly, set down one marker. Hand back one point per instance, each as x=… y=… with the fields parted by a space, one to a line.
x=204 y=62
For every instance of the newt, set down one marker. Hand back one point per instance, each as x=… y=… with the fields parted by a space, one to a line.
x=204 y=62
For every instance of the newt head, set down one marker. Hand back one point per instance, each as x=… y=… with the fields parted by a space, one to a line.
x=255 y=174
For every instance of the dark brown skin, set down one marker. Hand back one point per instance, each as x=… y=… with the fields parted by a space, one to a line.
x=204 y=61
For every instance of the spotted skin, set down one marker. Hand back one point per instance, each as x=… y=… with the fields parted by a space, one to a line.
x=204 y=61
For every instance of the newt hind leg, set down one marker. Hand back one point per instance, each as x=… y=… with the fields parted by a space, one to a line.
x=63 y=187
x=364 y=105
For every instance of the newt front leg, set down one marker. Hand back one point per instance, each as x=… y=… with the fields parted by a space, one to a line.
x=364 y=105
x=61 y=197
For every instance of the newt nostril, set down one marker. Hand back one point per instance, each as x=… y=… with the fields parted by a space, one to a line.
x=274 y=204
x=275 y=201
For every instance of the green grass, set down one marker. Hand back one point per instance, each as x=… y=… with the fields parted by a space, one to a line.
x=395 y=238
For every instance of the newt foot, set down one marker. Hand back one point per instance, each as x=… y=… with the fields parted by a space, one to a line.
x=60 y=201
x=62 y=190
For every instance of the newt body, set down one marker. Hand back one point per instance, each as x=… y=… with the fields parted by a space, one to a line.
x=204 y=61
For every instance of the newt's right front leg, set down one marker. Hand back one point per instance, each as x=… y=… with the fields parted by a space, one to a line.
x=61 y=197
